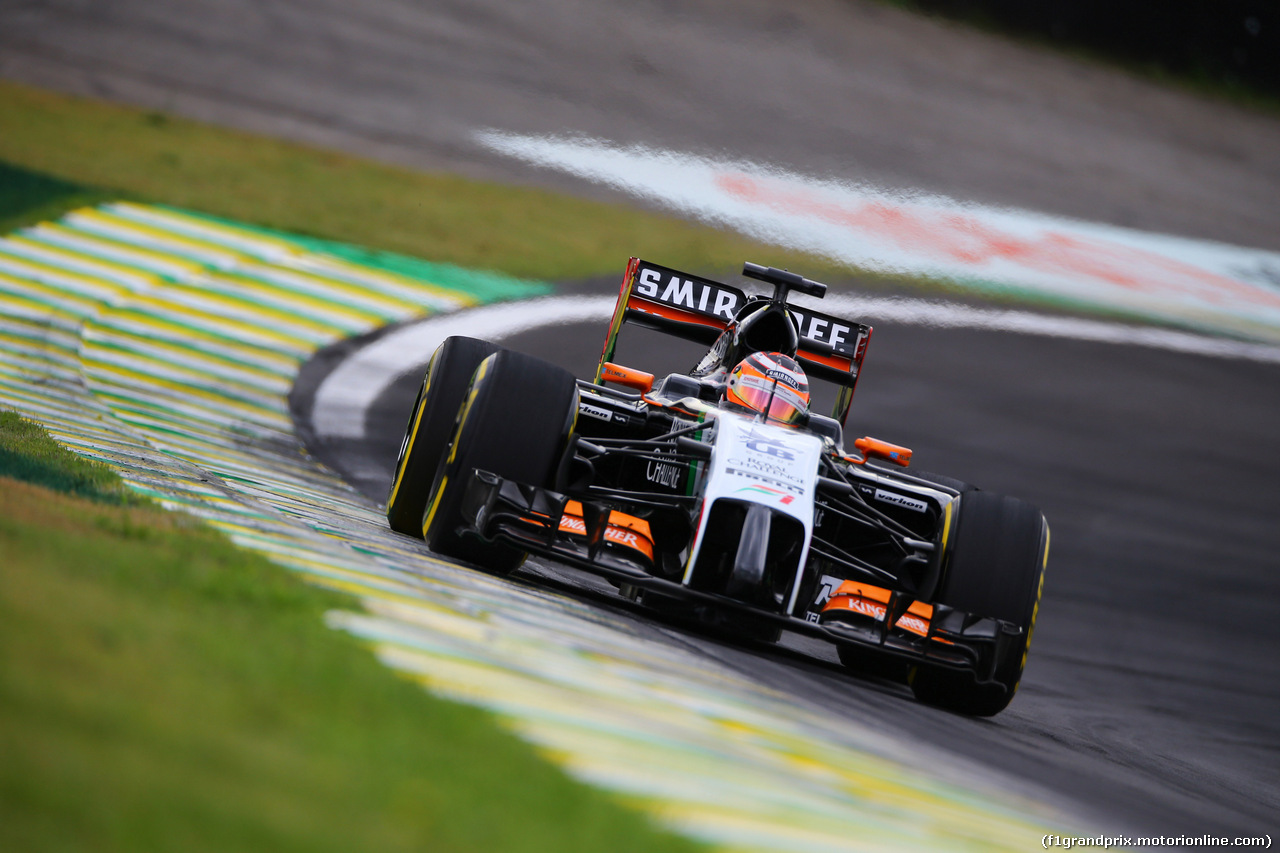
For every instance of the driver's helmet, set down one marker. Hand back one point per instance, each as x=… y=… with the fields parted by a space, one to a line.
x=772 y=384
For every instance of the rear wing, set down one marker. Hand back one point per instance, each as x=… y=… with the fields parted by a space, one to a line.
x=698 y=309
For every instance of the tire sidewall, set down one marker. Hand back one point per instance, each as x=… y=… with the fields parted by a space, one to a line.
x=995 y=567
x=514 y=421
x=427 y=434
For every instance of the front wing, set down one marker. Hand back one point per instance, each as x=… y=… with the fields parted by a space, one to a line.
x=606 y=543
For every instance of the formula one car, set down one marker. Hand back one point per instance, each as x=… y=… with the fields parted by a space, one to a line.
x=718 y=495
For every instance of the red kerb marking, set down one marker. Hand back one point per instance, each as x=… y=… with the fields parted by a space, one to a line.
x=957 y=237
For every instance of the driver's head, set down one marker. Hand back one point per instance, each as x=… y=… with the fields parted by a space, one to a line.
x=772 y=384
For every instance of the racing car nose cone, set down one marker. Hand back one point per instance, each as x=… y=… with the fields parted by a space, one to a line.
x=753 y=547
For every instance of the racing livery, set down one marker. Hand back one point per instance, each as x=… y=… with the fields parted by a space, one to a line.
x=719 y=496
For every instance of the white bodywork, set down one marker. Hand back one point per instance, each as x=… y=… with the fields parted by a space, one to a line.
x=754 y=462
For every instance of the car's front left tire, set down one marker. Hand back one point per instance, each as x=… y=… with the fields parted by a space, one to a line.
x=444 y=385
x=515 y=421
x=995 y=568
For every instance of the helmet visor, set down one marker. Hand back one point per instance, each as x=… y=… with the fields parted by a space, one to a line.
x=777 y=400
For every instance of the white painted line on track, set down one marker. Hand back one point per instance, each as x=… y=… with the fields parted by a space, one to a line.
x=346 y=394
x=980 y=248
x=951 y=315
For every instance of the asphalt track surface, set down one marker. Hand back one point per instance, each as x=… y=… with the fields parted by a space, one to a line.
x=1153 y=694
x=845 y=88
x=1151 y=697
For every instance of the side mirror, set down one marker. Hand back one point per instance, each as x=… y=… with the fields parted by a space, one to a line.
x=632 y=378
x=884 y=450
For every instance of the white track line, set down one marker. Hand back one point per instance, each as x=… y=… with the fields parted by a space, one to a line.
x=346 y=394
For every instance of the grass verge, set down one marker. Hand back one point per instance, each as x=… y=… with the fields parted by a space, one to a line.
x=107 y=150
x=161 y=689
x=27 y=453
x=27 y=197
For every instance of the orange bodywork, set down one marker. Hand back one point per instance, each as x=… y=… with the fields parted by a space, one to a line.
x=884 y=450
x=625 y=530
x=628 y=376
x=872 y=602
x=833 y=360
x=648 y=306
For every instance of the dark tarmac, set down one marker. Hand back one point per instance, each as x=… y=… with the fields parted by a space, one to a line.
x=1152 y=692
x=1152 y=698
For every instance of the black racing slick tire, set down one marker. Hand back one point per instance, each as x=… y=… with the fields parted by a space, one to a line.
x=995 y=567
x=426 y=437
x=944 y=481
x=514 y=422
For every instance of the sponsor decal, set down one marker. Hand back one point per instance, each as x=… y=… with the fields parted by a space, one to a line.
x=901 y=500
x=768 y=458
x=752 y=475
x=768 y=443
x=764 y=469
x=914 y=624
x=690 y=293
x=822 y=329
x=573 y=524
x=595 y=411
x=702 y=296
x=869 y=608
x=784 y=376
x=866 y=608
x=827 y=588
x=612 y=372
x=777 y=494
x=664 y=474
x=776 y=449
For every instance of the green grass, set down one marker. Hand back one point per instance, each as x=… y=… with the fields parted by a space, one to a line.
x=27 y=196
x=27 y=453
x=99 y=150
x=161 y=689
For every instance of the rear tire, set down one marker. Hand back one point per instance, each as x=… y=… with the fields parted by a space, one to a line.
x=995 y=568
x=426 y=437
x=514 y=422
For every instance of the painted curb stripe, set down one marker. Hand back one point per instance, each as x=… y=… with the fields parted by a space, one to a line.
x=182 y=389
x=1206 y=285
